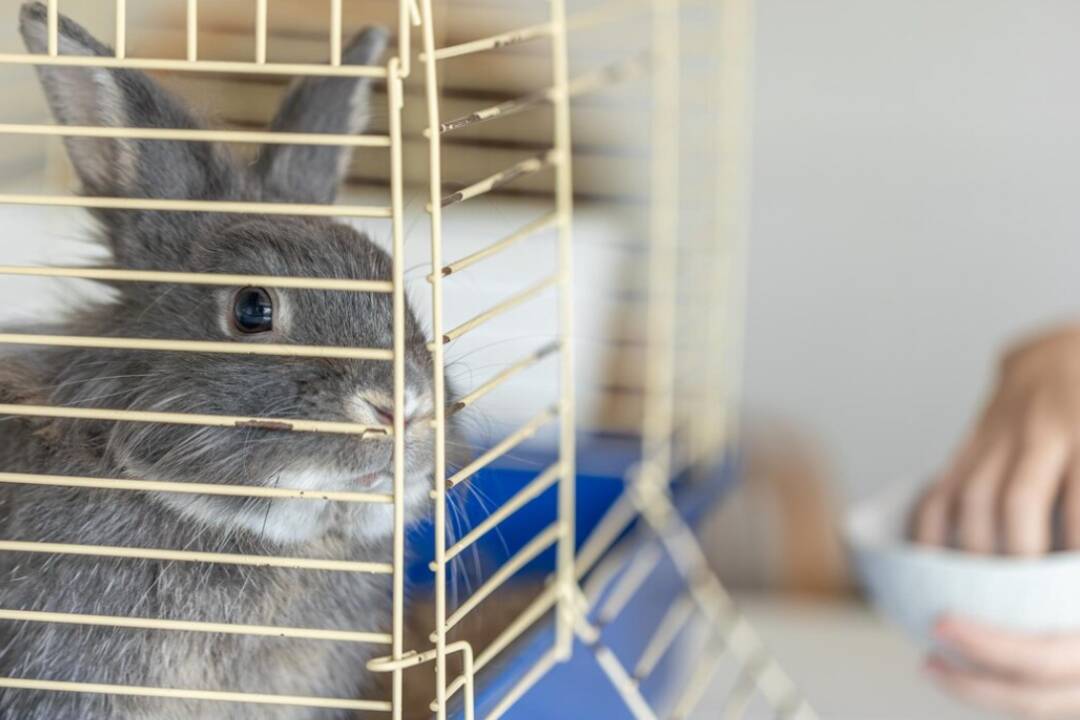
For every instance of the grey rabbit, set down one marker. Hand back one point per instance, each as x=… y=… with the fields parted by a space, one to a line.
x=244 y=385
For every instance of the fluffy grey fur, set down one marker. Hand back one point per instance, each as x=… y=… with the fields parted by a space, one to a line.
x=342 y=390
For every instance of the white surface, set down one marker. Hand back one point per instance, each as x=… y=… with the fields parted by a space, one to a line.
x=848 y=663
x=915 y=585
x=915 y=206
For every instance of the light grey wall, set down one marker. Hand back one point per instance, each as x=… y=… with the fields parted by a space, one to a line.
x=916 y=204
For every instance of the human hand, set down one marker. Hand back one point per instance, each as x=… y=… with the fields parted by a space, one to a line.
x=1021 y=675
x=1023 y=455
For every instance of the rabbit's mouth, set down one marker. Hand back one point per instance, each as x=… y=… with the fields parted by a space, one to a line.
x=372 y=479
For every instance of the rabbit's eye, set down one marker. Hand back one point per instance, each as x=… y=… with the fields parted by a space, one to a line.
x=253 y=310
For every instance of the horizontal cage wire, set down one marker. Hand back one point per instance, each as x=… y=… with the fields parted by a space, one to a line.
x=589 y=587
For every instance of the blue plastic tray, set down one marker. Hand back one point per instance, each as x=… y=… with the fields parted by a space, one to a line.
x=579 y=683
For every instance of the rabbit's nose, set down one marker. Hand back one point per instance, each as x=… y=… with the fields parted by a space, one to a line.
x=370 y=406
x=385 y=413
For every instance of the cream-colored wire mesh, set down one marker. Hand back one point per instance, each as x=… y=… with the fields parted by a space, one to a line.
x=680 y=433
x=258 y=65
x=662 y=451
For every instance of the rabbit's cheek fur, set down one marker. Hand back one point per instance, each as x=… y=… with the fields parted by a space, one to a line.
x=289 y=522
x=314 y=463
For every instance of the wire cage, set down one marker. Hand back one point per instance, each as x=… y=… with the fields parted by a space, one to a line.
x=635 y=112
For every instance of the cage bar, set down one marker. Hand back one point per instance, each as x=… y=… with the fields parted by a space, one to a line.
x=394 y=89
x=699 y=681
x=413 y=659
x=508 y=304
x=528 y=166
x=181 y=694
x=192 y=30
x=536 y=609
x=195 y=556
x=220 y=206
x=606 y=570
x=504 y=375
x=199 y=66
x=658 y=413
x=532 y=228
x=53 y=27
x=408 y=17
x=503 y=109
x=674 y=620
x=734 y=27
x=188 y=278
x=260 y=32
x=198 y=135
x=618 y=518
x=632 y=580
x=521 y=498
x=511 y=441
x=196 y=626
x=494 y=42
x=249 y=491
x=121 y=29
x=541 y=542
x=197 y=346
x=609 y=663
x=335 y=32
x=223 y=421
x=431 y=92
x=564 y=205
x=522 y=686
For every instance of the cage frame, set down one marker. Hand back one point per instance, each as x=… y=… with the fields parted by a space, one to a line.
x=647 y=496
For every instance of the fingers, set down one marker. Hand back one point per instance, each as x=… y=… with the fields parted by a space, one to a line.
x=1031 y=676
x=1028 y=498
x=1018 y=656
x=966 y=498
x=1070 y=507
x=1001 y=492
x=933 y=515
x=1016 y=698
x=976 y=517
x=931 y=526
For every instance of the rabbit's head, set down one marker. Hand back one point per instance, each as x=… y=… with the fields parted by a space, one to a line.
x=344 y=390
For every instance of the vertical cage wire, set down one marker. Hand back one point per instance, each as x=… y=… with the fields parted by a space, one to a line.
x=192 y=30
x=396 y=102
x=564 y=200
x=435 y=209
x=438 y=360
x=561 y=473
x=120 y=29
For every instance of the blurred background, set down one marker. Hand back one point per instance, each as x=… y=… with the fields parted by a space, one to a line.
x=913 y=210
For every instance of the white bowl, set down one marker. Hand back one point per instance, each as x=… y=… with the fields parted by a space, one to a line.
x=914 y=585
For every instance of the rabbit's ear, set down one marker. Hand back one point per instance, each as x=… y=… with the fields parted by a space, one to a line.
x=95 y=96
x=340 y=105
